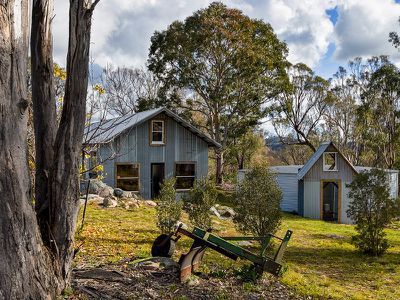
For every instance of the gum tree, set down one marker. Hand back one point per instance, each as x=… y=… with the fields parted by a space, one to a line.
x=36 y=241
x=227 y=63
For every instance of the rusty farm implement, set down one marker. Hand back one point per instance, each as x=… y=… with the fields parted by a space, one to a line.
x=164 y=245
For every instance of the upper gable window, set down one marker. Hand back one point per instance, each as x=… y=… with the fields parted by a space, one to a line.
x=157 y=136
x=330 y=161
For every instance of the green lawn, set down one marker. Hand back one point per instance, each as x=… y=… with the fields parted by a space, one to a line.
x=319 y=262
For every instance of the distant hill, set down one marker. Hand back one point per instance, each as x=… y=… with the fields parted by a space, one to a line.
x=274 y=143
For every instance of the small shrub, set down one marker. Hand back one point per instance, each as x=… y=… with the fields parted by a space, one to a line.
x=169 y=210
x=199 y=201
x=248 y=273
x=258 y=201
x=372 y=209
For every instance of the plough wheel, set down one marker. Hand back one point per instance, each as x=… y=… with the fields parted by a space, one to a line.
x=163 y=246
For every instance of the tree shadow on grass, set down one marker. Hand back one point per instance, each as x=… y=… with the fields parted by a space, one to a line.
x=342 y=263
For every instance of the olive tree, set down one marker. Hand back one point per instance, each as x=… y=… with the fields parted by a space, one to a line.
x=371 y=208
x=169 y=210
x=198 y=202
x=258 y=201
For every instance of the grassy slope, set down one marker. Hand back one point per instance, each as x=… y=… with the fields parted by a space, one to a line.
x=320 y=260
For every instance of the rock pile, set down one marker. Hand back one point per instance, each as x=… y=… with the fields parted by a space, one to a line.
x=222 y=212
x=102 y=194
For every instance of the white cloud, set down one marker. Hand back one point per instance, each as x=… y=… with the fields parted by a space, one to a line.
x=122 y=28
x=304 y=25
x=363 y=28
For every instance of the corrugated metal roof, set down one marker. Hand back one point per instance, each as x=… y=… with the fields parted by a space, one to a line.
x=322 y=148
x=290 y=169
x=317 y=154
x=362 y=168
x=104 y=132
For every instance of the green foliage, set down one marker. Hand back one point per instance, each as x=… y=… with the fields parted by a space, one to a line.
x=229 y=64
x=243 y=148
x=371 y=209
x=378 y=114
x=169 y=210
x=199 y=201
x=300 y=107
x=258 y=202
x=248 y=273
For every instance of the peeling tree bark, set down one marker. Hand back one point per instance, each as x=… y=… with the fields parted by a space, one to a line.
x=25 y=264
x=64 y=175
x=44 y=108
x=36 y=252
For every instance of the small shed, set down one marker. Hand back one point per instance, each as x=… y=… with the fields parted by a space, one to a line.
x=286 y=177
x=318 y=189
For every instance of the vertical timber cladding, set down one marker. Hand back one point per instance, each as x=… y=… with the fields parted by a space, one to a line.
x=313 y=185
x=181 y=145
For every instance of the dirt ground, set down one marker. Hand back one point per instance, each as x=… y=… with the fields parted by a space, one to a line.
x=130 y=281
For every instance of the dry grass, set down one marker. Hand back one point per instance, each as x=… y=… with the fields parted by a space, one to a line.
x=319 y=262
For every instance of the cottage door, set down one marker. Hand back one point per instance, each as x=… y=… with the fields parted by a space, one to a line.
x=157 y=178
x=330 y=201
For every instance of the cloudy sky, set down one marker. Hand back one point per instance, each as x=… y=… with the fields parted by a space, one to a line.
x=321 y=33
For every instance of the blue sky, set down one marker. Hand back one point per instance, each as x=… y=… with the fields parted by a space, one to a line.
x=321 y=33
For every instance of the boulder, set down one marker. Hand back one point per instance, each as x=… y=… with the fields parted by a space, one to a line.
x=110 y=201
x=155 y=263
x=129 y=202
x=181 y=224
x=125 y=205
x=92 y=198
x=215 y=212
x=95 y=186
x=106 y=191
x=127 y=194
x=118 y=192
x=150 y=203
x=226 y=211
x=135 y=205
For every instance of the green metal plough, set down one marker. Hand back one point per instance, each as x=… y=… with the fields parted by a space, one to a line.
x=164 y=245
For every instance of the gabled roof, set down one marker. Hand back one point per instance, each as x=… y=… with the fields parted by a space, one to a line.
x=105 y=132
x=314 y=158
x=367 y=169
x=290 y=169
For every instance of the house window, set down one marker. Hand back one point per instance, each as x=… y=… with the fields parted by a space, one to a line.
x=185 y=174
x=157 y=132
x=128 y=177
x=330 y=161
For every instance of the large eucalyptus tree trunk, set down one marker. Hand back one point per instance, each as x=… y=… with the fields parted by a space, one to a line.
x=44 y=108
x=25 y=265
x=36 y=257
x=64 y=175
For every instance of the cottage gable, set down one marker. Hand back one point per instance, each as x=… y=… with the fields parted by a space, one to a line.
x=343 y=169
x=139 y=151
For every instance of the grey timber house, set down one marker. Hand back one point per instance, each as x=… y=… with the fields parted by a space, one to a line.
x=138 y=151
x=318 y=189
